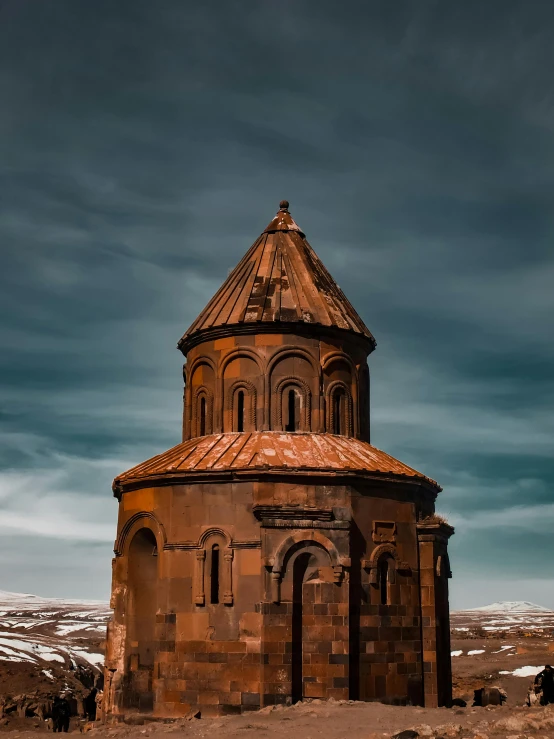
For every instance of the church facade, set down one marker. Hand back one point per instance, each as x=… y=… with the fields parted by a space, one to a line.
x=275 y=554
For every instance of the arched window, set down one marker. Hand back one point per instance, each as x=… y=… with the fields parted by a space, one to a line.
x=292 y=417
x=339 y=413
x=384 y=572
x=202 y=412
x=240 y=411
x=202 y=416
x=291 y=405
x=240 y=407
x=214 y=575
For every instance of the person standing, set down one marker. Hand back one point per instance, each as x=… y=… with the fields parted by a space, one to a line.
x=61 y=713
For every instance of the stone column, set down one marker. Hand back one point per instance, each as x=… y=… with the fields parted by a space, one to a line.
x=433 y=535
x=228 y=577
x=200 y=597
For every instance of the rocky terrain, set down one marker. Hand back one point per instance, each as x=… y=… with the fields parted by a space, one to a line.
x=47 y=646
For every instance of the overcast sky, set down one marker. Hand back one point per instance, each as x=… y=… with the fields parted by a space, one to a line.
x=144 y=146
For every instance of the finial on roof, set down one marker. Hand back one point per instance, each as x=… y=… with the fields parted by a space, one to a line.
x=284 y=205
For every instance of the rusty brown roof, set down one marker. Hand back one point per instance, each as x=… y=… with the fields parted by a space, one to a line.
x=280 y=279
x=271 y=451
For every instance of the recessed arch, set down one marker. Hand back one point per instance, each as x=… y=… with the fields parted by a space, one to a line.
x=300 y=538
x=337 y=356
x=288 y=351
x=202 y=411
x=250 y=408
x=345 y=409
x=211 y=532
x=284 y=384
x=142 y=520
x=200 y=360
x=237 y=354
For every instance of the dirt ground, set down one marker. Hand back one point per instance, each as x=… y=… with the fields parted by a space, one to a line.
x=337 y=720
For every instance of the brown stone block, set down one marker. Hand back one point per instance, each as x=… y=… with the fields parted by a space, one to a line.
x=341 y=633
x=273 y=647
x=220 y=686
x=314 y=690
x=317 y=659
x=208 y=697
x=379 y=668
x=276 y=659
x=318 y=633
x=249 y=686
x=325 y=647
x=253 y=645
x=249 y=562
x=276 y=634
x=339 y=647
x=250 y=672
x=230 y=699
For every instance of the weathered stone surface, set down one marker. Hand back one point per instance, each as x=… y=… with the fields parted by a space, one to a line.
x=274 y=555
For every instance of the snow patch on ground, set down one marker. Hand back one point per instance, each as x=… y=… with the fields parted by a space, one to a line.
x=527 y=671
x=456 y=653
x=476 y=651
x=40 y=630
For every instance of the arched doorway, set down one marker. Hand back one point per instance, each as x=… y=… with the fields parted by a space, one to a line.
x=318 y=624
x=142 y=582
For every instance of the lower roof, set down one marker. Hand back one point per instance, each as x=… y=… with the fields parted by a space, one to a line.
x=266 y=451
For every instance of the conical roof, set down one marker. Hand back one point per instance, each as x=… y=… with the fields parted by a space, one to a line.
x=279 y=280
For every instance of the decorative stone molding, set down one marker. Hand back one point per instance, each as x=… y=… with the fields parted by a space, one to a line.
x=228 y=576
x=201 y=548
x=384 y=532
x=333 y=388
x=372 y=564
x=144 y=519
x=199 y=393
x=277 y=562
x=264 y=512
x=252 y=393
x=200 y=597
x=277 y=402
x=276 y=357
x=338 y=356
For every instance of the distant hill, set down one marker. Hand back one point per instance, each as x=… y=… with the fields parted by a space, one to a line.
x=49 y=644
x=511 y=606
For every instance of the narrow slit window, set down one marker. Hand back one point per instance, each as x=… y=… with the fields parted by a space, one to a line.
x=240 y=411
x=291 y=405
x=214 y=579
x=202 y=416
x=384 y=580
x=337 y=413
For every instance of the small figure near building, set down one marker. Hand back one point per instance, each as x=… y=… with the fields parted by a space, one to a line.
x=61 y=714
x=545 y=682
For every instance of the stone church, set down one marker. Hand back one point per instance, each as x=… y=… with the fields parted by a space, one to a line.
x=275 y=554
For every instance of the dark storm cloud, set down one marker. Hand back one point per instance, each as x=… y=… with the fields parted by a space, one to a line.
x=144 y=147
